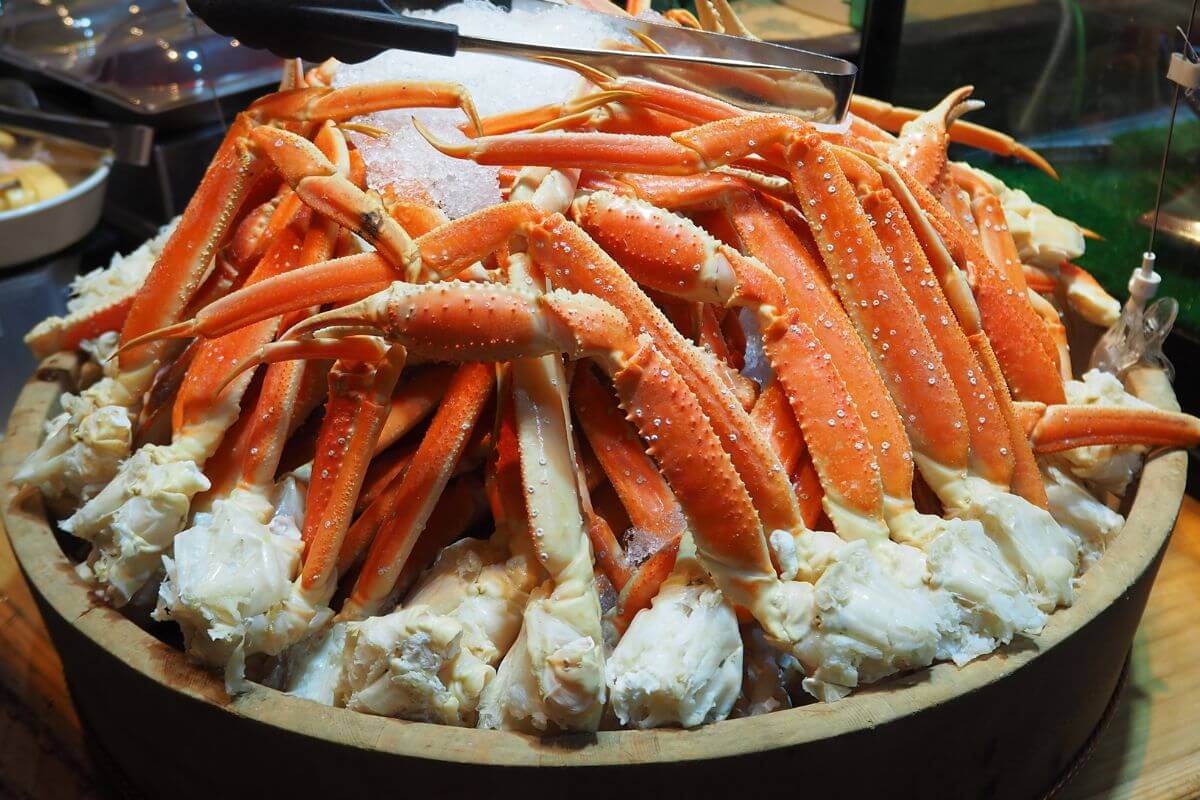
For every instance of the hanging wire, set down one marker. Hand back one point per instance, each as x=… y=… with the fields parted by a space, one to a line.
x=1162 y=173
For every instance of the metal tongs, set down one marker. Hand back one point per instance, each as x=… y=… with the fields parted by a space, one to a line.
x=130 y=144
x=753 y=75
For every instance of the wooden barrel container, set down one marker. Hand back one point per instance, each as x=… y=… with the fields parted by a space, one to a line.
x=1007 y=725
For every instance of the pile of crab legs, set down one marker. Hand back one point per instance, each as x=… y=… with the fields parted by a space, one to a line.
x=916 y=382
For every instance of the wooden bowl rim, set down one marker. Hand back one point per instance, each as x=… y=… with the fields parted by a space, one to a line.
x=1149 y=523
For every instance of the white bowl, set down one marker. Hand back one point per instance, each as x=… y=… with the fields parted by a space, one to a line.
x=49 y=226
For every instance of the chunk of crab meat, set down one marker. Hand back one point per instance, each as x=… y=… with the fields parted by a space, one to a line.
x=312 y=668
x=84 y=445
x=230 y=577
x=472 y=598
x=959 y=563
x=680 y=661
x=1110 y=467
x=553 y=674
x=1078 y=510
x=1044 y=554
x=864 y=624
x=410 y=664
x=132 y=520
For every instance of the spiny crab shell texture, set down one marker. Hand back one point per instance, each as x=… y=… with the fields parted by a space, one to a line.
x=640 y=489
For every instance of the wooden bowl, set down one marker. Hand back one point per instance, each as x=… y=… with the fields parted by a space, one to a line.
x=1004 y=726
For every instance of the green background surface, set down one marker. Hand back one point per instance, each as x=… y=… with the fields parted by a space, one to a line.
x=1109 y=193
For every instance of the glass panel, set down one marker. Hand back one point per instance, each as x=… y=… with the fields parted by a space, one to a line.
x=1083 y=82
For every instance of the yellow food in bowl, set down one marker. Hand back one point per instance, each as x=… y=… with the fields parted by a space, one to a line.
x=24 y=182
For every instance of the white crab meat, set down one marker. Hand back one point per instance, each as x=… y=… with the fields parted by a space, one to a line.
x=866 y=624
x=1044 y=555
x=553 y=675
x=411 y=664
x=85 y=444
x=133 y=519
x=1078 y=510
x=312 y=668
x=968 y=565
x=432 y=659
x=1110 y=467
x=1043 y=238
x=680 y=661
x=229 y=584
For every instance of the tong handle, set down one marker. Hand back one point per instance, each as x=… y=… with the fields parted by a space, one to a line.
x=314 y=30
x=91 y=132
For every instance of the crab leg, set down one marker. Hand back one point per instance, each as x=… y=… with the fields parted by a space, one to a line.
x=649 y=502
x=1026 y=478
x=894 y=118
x=358 y=401
x=408 y=509
x=1052 y=429
x=629 y=230
x=436 y=320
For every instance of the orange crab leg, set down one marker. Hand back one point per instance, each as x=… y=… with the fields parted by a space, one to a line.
x=1052 y=429
x=227 y=186
x=990 y=457
x=383 y=475
x=893 y=118
x=526 y=119
x=354 y=413
x=920 y=149
x=632 y=232
x=186 y=256
x=408 y=508
x=774 y=417
x=683 y=18
x=461 y=507
x=649 y=502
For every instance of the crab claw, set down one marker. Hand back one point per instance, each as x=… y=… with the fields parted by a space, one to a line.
x=352 y=348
